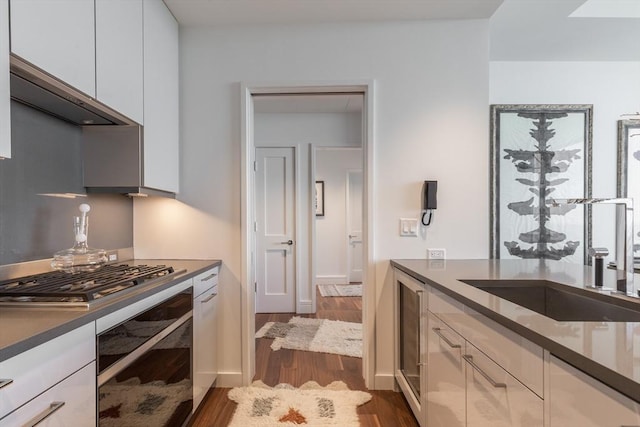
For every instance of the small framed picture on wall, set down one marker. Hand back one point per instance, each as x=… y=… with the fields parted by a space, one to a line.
x=319 y=201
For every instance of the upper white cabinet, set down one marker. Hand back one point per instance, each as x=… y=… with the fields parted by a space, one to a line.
x=58 y=37
x=161 y=99
x=119 y=56
x=578 y=400
x=5 y=103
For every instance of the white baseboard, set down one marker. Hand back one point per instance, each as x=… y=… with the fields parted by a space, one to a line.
x=304 y=307
x=332 y=280
x=229 y=379
x=384 y=382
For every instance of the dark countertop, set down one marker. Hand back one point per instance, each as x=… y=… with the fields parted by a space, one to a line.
x=22 y=328
x=608 y=351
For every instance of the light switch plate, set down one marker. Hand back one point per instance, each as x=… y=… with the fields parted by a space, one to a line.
x=409 y=227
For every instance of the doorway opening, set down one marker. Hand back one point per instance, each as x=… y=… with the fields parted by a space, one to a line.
x=306 y=237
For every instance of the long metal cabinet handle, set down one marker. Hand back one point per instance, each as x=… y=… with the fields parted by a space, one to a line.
x=445 y=339
x=45 y=414
x=209 y=298
x=209 y=277
x=469 y=360
x=5 y=382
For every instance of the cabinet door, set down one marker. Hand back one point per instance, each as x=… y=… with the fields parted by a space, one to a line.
x=578 y=400
x=71 y=402
x=205 y=367
x=495 y=398
x=161 y=109
x=445 y=376
x=58 y=37
x=5 y=103
x=119 y=56
x=39 y=368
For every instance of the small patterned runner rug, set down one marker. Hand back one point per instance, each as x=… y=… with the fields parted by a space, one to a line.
x=319 y=335
x=340 y=290
x=310 y=405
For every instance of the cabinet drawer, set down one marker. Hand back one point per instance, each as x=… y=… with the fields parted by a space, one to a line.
x=495 y=398
x=578 y=400
x=205 y=280
x=446 y=401
x=41 y=367
x=519 y=356
x=71 y=402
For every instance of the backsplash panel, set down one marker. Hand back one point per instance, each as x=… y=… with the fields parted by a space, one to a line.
x=47 y=158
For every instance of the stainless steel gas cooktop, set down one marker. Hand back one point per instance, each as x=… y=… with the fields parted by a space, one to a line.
x=60 y=289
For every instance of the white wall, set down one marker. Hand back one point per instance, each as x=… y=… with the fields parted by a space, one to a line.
x=612 y=87
x=332 y=165
x=431 y=97
x=302 y=130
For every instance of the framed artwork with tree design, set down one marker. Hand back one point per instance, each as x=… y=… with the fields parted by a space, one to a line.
x=629 y=171
x=539 y=153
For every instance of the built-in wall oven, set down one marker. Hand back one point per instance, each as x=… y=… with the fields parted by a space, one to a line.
x=144 y=366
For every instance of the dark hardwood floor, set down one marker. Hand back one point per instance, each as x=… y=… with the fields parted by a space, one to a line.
x=386 y=408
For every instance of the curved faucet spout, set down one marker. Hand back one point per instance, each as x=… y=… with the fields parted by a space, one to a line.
x=624 y=237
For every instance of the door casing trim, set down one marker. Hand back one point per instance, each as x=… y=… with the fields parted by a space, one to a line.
x=247 y=153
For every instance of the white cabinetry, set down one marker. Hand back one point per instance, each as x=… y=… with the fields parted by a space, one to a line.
x=446 y=399
x=58 y=37
x=495 y=398
x=578 y=400
x=119 y=56
x=56 y=371
x=478 y=373
x=161 y=98
x=5 y=103
x=205 y=367
x=503 y=371
x=71 y=402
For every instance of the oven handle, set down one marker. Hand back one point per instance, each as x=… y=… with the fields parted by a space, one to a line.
x=121 y=364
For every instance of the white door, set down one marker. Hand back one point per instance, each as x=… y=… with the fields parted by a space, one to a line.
x=275 y=230
x=354 y=225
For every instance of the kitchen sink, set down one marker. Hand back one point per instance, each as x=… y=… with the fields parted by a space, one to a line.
x=562 y=302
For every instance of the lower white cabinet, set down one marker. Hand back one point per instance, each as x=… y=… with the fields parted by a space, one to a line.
x=205 y=363
x=578 y=400
x=495 y=398
x=48 y=365
x=466 y=379
x=446 y=389
x=70 y=403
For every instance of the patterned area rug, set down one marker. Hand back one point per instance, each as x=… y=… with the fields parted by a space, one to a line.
x=310 y=405
x=340 y=290
x=152 y=403
x=319 y=335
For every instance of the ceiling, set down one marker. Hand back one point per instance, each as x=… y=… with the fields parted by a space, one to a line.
x=519 y=30
x=233 y=12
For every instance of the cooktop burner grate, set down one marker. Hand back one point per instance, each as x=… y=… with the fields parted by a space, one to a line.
x=58 y=286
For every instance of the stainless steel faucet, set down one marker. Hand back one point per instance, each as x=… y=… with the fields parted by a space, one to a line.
x=624 y=238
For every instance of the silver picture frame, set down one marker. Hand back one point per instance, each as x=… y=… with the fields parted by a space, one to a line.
x=628 y=166
x=540 y=152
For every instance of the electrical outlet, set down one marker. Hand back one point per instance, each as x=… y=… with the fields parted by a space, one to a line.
x=436 y=253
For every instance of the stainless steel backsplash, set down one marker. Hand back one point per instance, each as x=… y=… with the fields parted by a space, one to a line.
x=47 y=158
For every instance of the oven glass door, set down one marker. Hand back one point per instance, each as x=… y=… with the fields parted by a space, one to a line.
x=156 y=388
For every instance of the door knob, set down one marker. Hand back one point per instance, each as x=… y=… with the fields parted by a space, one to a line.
x=288 y=242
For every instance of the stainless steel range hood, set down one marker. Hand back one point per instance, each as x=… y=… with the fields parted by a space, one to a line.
x=114 y=161
x=113 y=146
x=37 y=89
